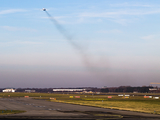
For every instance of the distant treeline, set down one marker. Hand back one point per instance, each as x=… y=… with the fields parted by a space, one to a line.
x=142 y=89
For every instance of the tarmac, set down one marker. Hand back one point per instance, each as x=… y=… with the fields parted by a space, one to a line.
x=42 y=109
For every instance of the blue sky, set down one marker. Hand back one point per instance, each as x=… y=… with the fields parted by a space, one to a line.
x=119 y=39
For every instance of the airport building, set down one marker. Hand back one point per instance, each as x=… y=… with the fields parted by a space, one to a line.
x=68 y=90
x=30 y=91
x=9 y=90
x=153 y=89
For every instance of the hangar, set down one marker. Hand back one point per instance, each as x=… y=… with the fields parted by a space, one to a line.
x=9 y=90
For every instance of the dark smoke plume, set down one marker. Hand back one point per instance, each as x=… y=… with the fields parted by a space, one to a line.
x=96 y=71
x=70 y=40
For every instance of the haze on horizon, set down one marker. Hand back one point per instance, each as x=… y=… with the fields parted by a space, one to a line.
x=120 y=39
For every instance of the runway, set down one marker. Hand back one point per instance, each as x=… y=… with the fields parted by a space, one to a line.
x=42 y=109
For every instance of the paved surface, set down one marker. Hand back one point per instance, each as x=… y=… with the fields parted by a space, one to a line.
x=41 y=109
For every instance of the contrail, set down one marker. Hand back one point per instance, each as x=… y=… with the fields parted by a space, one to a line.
x=82 y=53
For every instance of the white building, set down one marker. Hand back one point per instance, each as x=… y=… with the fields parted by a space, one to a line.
x=30 y=91
x=152 y=89
x=68 y=90
x=9 y=90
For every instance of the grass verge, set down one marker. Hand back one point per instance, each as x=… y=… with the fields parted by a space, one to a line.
x=138 y=105
x=6 y=112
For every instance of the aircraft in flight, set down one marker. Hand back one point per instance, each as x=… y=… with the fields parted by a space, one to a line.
x=44 y=9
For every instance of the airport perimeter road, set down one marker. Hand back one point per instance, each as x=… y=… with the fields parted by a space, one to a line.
x=41 y=109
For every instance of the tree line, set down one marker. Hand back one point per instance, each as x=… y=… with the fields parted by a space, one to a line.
x=142 y=89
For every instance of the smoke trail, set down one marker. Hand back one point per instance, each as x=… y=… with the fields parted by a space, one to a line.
x=69 y=39
x=63 y=31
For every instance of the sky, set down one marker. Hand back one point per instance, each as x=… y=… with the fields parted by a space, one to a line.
x=111 y=43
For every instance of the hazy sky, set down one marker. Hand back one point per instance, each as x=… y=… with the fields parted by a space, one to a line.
x=119 y=43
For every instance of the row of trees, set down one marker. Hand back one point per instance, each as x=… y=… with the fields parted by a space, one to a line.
x=142 y=89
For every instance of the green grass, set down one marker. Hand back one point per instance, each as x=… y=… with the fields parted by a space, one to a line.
x=18 y=94
x=136 y=103
x=133 y=103
x=139 y=106
x=6 y=112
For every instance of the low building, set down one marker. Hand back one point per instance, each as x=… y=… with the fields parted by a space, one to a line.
x=9 y=90
x=29 y=91
x=68 y=90
x=153 y=89
x=88 y=92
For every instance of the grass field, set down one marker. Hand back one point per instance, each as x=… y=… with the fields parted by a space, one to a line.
x=139 y=106
x=6 y=112
x=135 y=102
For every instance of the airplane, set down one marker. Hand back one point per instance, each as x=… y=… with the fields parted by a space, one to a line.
x=44 y=9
